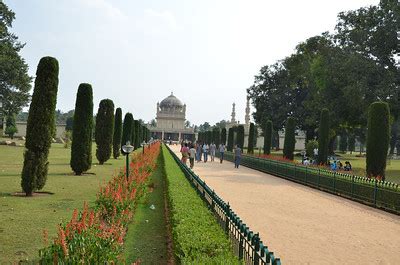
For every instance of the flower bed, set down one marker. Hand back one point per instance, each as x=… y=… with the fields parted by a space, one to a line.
x=197 y=236
x=95 y=236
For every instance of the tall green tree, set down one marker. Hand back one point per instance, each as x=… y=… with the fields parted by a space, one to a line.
x=223 y=136
x=323 y=137
x=11 y=127
x=135 y=134
x=41 y=126
x=104 y=130
x=117 y=133
x=250 y=145
x=15 y=83
x=378 y=139
x=240 y=136
x=127 y=129
x=230 y=139
x=268 y=137
x=81 y=148
x=290 y=139
x=343 y=142
x=216 y=136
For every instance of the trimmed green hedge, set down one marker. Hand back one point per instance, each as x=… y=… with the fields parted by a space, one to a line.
x=197 y=236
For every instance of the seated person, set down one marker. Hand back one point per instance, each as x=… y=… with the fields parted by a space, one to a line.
x=347 y=166
x=333 y=166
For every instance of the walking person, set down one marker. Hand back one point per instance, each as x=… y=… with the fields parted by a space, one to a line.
x=213 y=147
x=205 y=152
x=198 y=152
x=185 y=153
x=238 y=156
x=221 y=152
x=192 y=155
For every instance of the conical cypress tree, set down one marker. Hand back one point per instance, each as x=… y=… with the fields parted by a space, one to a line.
x=240 y=136
x=104 y=130
x=41 y=126
x=135 y=134
x=230 y=140
x=323 y=137
x=81 y=148
x=117 y=133
x=250 y=145
x=378 y=137
x=223 y=136
x=216 y=136
x=290 y=140
x=268 y=137
x=127 y=129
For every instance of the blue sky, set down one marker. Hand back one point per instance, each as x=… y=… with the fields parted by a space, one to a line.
x=137 y=52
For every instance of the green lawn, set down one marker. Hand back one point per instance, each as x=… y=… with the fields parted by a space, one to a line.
x=358 y=164
x=147 y=237
x=22 y=220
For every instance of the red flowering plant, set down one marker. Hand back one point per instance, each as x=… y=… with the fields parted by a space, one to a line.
x=96 y=235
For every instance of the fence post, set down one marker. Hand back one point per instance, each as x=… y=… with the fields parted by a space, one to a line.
x=241 y=246
x=295 y=171
x=227 y=213
x=334 y=182
x=256 y=242
x=212 y=200
x=319 y=176
x=375 y=191
x=352 y=186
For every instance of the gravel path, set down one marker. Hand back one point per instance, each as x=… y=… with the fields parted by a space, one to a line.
x=303 y=225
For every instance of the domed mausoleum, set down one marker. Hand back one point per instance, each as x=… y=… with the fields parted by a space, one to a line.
x=170 y=119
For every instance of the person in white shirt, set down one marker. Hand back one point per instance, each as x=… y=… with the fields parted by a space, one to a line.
x=205 y=152
x=213 y=147
x=192 y=155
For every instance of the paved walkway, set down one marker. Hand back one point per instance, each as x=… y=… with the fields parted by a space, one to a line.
x=303 y=225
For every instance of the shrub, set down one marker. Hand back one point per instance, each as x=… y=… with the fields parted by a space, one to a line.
x=81 y=148
x=198 y=239
x=290 y=139
x=223 y=136
x=310 y=146
x=104 y=130
x=323 y=137
x=41 y=126
x=240 y=136
x=268 y=137
x=117 y=133
x=127 y=129
x=378 y=137
x=250 y=145
x=11 y=127
x=230 y=140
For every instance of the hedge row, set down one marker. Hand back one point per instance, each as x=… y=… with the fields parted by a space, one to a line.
x=197 y=236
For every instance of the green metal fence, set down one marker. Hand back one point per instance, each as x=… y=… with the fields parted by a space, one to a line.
x=380 y=194
x=247 y=244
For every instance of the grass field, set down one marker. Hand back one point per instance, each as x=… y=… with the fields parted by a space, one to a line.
x=22 y=220
x=358 y=164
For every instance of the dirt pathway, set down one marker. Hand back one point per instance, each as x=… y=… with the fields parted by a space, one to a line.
x=303 y=225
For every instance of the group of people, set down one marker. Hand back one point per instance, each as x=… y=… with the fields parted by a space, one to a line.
x=338 y=165
x=199 y=151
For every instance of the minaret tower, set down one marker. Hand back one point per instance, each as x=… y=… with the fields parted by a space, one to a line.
x=247 y=116
x=233 y=115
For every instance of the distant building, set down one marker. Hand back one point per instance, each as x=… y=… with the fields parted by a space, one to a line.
x=300 y=135
x=170 y=121
x=21 y=127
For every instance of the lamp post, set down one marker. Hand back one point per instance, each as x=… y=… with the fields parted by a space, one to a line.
x=127 y=149
x=143 y=144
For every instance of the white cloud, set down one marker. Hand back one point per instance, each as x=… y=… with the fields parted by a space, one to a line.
x=107 y=8
x=158 y=23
